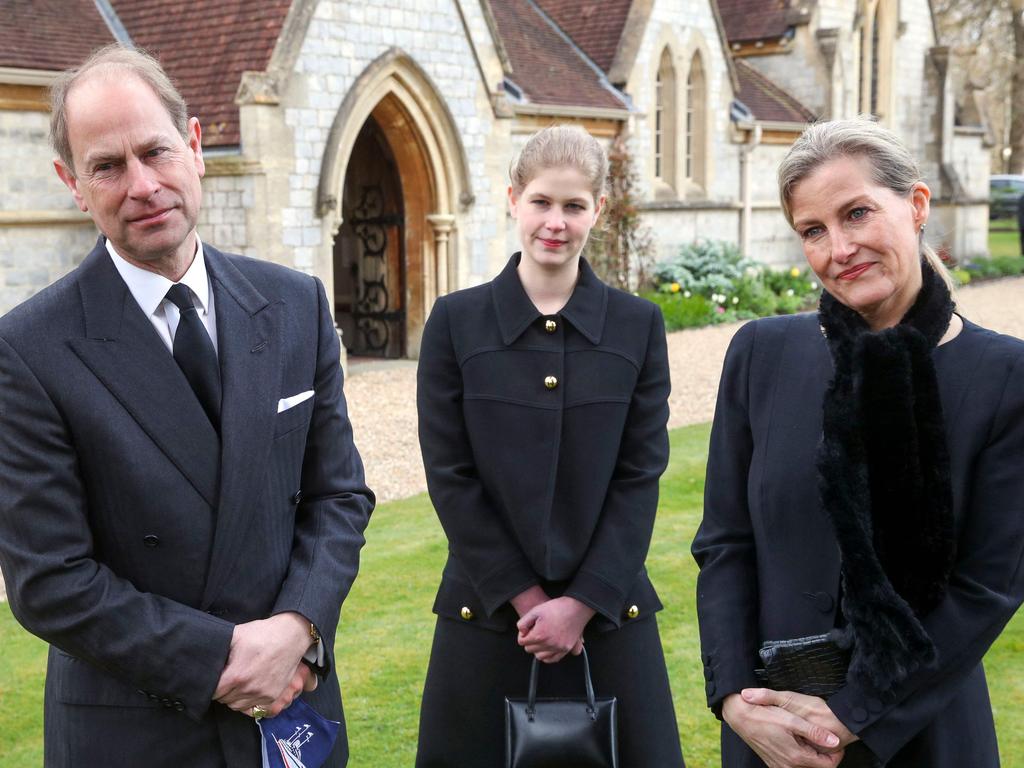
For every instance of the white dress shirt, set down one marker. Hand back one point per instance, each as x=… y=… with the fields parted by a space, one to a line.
x=150 y=292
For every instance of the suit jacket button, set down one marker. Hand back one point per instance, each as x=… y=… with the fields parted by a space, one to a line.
x=297 y=497
x=550 y=382
x=151 y=540
x=179 y=706
x=466 y=613
x=859 y=714
x=632 y=612
x=550 y=326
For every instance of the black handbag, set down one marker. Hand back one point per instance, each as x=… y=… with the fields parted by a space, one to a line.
x=815 y=666
x=561 y=733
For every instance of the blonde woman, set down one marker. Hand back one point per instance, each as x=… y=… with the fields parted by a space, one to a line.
x=864 y=480
x=542 y=409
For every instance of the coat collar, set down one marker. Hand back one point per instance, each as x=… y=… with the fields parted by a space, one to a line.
x=586 y=308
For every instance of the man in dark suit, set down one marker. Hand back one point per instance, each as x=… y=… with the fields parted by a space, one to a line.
x=181 y=503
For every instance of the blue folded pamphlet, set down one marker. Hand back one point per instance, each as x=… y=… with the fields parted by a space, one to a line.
x=299 y=737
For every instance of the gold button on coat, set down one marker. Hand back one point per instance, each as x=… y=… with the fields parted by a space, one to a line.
x=466 y=613
x=633 y=612
x=550 y=382
x=550 y=326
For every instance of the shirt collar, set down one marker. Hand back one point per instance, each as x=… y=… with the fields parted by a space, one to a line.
x=149 y=288
x=585 y=309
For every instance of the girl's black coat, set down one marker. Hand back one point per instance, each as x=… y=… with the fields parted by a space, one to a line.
x=544 y=485
x=768 y=554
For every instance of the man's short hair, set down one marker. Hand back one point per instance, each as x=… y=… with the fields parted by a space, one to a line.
x=132 y=61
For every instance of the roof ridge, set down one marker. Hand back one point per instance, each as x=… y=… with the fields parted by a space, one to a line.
x=775 y=90
x=602 y=76
x=113 y=22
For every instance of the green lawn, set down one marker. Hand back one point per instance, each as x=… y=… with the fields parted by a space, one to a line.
x=1003 y=243
x=386 y=629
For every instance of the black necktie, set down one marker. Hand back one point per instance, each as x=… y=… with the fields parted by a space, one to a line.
x=193 y=351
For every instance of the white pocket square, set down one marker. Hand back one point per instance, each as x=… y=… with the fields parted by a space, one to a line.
x=290 y=402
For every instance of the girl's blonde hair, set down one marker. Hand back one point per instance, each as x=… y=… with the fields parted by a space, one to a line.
x=561 y=146
x=892 y=165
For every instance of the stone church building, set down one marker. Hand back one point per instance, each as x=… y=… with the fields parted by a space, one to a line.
x=368 y=142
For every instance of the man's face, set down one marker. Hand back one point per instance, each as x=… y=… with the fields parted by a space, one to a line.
x=133 y=172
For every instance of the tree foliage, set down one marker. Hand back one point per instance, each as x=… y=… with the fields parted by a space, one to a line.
x=986 y=38
x=622 y=252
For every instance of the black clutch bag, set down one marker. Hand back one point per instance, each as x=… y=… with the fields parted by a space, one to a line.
x=561 y=733
x=815 y=666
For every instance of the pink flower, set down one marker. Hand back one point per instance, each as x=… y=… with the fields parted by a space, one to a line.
x=720 y=310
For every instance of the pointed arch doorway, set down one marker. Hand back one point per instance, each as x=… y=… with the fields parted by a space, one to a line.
x=371 y=269
x=393 y=173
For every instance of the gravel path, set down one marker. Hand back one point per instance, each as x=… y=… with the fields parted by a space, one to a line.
x=382 y=396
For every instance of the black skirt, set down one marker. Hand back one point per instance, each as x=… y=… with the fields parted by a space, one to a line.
x=472 y=670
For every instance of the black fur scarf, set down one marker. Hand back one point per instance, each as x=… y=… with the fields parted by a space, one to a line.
x=883 y=470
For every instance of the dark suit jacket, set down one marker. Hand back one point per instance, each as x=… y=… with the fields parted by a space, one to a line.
x=133 y=537
x=559 y=485
x=769 y=559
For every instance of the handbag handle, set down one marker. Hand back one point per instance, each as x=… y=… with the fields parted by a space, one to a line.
x=531 y=701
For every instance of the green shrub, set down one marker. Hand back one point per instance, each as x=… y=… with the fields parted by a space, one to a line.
x=1008 y=266
x=982 y=267
x=960 y=275
x=710 y=282
x=755 y=296
x=682 y=311
x=704 y=267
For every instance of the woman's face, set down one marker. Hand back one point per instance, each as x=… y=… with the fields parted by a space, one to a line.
x=861 y=239
x=554 y=215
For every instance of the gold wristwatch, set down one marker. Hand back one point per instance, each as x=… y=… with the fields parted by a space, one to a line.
x=314 y=635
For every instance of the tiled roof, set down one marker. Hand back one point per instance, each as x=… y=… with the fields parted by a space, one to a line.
x=747 y=20
x=766 y=100
x=545 y=65
x=49 y=34
x=205 y=45
x=594 y=25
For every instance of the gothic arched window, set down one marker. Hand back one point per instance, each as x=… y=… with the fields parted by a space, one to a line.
x=665 y=121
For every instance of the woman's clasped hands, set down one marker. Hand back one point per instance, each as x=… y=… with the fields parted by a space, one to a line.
x=786 y=729
x=550 y=628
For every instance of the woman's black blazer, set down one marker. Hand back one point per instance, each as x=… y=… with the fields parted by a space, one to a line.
x=543 y=439
x=769 y=558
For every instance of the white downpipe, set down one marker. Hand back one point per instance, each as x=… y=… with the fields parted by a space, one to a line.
x=746 y=193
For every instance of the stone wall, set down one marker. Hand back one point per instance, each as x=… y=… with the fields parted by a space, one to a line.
x=686 y=26
x=343 y=39
x=910 y=53
x=43 y=235
x=227 y=202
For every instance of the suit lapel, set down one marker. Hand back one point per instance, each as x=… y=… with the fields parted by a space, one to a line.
x=249 y=350
x=124 y=352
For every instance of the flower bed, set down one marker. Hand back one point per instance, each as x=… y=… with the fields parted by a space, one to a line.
x=710 y=282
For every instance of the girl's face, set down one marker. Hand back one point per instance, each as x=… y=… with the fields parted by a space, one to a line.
x=554 y=215
x=861 y=239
